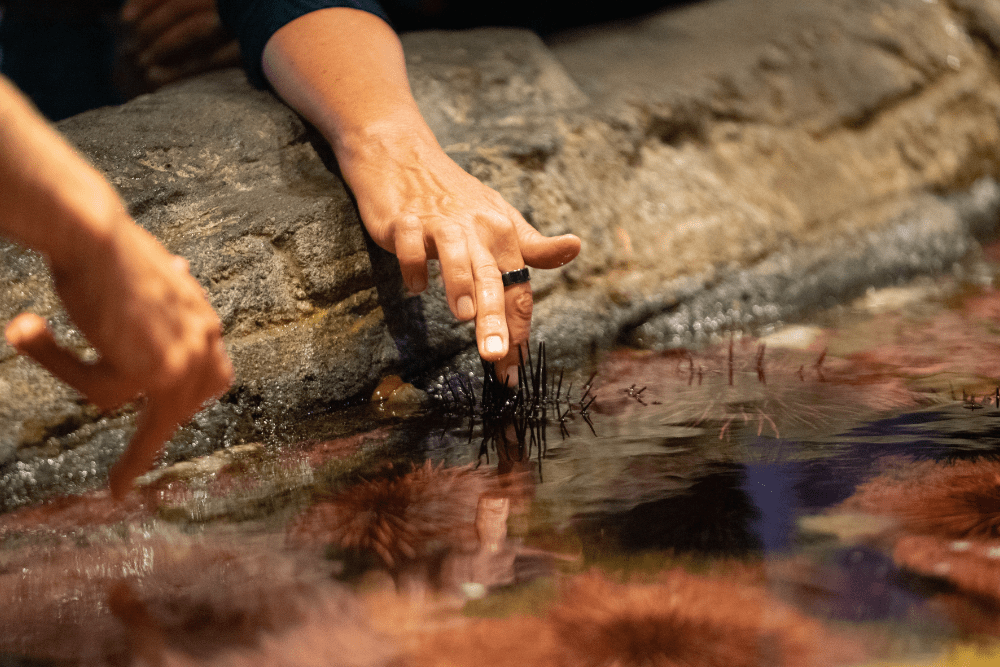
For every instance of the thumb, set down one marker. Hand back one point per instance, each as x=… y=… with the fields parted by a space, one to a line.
x=543 y=252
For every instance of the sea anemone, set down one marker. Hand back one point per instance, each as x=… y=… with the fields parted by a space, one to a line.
x=971 y=565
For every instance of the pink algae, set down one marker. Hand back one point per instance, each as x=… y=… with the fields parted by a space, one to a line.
x=179 y=600
x=72 y=513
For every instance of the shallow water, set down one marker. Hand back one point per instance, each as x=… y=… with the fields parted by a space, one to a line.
x=826 y=493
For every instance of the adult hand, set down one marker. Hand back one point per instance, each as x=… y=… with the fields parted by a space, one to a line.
x=344 y=70
x=419 y=204
x=156 y=334
x=169 y=40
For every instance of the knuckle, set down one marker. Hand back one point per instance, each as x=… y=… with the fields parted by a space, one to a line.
x=485 y=270
x=409 y=225
x=462 y=277
x=449 y=235
x=522 y=305
x=497 y=223
x=491 y=323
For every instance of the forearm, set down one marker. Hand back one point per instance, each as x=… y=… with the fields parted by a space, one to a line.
x=343 y=70
x=52 y=200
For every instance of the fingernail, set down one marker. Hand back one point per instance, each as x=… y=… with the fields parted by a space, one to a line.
x=494 y=344
x=466 y=309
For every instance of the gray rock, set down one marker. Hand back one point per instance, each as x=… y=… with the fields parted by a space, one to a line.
x=728 y=165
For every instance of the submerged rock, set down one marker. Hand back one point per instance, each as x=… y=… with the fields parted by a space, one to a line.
x=726 y=170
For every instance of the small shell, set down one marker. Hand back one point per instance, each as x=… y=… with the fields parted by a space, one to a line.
x=386 y=387
x=395 y=398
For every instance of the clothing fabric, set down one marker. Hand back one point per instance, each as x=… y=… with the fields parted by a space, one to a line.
x=60 y=54
x=254 y=21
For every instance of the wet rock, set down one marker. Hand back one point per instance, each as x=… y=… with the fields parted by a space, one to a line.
x=728 y=165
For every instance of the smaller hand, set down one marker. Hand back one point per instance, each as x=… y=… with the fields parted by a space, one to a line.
x=172 y=39
x=156 y=334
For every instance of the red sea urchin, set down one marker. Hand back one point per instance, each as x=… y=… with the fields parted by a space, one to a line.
x=950 y=500
x=399 y=518
x=685 y=619
x=681 y=620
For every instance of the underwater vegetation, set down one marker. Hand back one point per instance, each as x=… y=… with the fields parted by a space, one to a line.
x=746 y=385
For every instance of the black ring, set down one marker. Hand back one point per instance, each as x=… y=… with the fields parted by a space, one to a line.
x=515 y=277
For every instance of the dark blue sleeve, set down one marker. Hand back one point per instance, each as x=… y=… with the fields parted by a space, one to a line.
x=254 y=21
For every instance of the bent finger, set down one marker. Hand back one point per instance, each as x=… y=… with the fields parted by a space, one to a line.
x=411 y=253
x=452 y=250
x=30 y=335
x=215 y=373
x=133 y=10
x=497 y=300
x=493 y=321
x=518 y=304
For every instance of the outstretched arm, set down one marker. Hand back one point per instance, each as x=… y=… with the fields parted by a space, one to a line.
x=136 y=303
x=343 y=69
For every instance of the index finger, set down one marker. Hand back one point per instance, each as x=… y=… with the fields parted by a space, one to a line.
x=156 y=424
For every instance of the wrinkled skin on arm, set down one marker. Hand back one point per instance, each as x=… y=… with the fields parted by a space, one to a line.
x=146 y=316
x=343 y=69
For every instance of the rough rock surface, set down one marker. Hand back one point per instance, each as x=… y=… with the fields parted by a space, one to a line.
x=728 y=164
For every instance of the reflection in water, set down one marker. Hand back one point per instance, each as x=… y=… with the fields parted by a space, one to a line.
x=677 y=619
x=714 y=517
x=183 y=600
x=770 y=507
x=951 y=500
